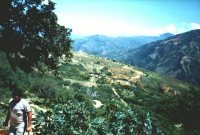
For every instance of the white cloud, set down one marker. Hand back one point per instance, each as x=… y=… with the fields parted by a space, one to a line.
x=171 y=28
x=149 y=31
x=195 y=26
x=91 y=25
x=118 y=29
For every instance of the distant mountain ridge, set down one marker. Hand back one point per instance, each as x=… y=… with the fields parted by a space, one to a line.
x=177 y=56
x=109 y=46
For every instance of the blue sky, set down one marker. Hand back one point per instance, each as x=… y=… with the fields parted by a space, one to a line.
x=128 y=17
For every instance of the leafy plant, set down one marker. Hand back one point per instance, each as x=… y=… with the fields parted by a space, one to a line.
x=3 y=112
x=73 y=117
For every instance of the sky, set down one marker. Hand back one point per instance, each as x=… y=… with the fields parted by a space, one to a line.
x=128 y=17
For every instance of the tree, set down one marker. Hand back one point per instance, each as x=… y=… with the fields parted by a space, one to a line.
x=29 y=33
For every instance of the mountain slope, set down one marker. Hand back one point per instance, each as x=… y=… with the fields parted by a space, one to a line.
x=145 y=91
x=129 y=99
x=177 y=56
x=109 y=46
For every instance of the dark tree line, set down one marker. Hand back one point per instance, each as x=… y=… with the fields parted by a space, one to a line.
x=29 y=33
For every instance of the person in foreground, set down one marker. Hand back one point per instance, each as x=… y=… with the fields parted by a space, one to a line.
x=18 y=112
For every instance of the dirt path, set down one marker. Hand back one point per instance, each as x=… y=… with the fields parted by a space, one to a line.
x=84 y=83
x=115 y=92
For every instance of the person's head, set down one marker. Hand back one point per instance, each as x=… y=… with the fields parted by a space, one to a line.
x=17 y=94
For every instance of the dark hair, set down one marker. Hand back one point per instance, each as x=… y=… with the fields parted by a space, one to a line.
x=17 y=92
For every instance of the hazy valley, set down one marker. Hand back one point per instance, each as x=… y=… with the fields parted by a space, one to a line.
x=177 y=56
x=110 y=47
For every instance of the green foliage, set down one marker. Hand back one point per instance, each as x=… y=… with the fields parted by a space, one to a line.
x=30 y=33
x=72 y=71
x=102 y=80
x=6 y=72
x=67 y=117
x=45 y=88
x=3 y=111
x=149 y=110
x=104 y=92
x=183 y=108
x=73 y=117
x=10 y=79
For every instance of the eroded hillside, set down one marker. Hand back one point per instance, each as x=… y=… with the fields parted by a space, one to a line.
x=177 y=56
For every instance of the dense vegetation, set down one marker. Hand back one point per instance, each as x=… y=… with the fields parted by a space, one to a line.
x=30 y=34
x=64 y=104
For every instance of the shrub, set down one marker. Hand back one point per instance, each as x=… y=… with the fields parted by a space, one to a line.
x=72 y=117
x=183 y=108
x=45 y=88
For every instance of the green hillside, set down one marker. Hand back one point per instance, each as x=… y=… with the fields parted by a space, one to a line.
x=93 y=95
